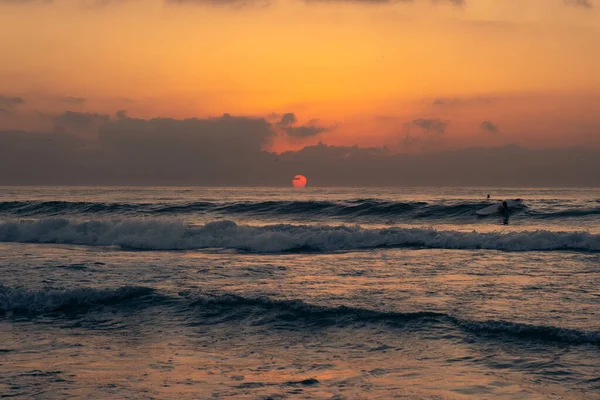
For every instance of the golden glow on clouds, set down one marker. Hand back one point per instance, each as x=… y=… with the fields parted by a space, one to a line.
x=345 y=63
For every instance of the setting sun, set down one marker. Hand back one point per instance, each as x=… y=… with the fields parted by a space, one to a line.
x=299 y=181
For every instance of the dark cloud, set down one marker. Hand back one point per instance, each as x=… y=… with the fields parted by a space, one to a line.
x=300 y=132
x=79 y=123
x=121 y=114
x=226 y=133
x=205 y=151
x=9 y=101
x=410 y=140
x=239 y=3
x=73 y=100
x=431 y=125
x=453 y=2
x=458 y=101
x=456 y=3
x=325 y=154
x=354 y=166
x=287 y=119
x=580 y=3
x=24 y=1
x=233 y=3
x=85 y=3
x=229 y=151
x=40 y=157
x=127 y=150
x=489 y=126
x=356 y=1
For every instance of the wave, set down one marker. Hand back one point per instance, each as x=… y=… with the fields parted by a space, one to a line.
x=573 y=213
x=20 y=300
x=193 y=308
x=288 y=311
x=141 y=234
x=52 y=208
x=350 y=208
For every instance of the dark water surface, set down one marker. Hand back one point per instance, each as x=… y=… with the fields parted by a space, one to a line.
x=317 y=293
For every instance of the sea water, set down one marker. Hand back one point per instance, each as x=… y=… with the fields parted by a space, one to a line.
x=272 y=293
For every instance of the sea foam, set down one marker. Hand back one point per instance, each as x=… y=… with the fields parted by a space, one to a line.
x=142 y=234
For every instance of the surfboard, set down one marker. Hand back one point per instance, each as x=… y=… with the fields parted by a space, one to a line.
x=495 y=208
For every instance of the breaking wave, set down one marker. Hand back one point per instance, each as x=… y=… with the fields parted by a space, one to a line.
x=140 y=234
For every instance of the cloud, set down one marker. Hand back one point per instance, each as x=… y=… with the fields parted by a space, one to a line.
x=327 y=165
x=200 y=137
x=79 y=123
x=228 y=150
x=234 y=3
x=489 y=127
x=306 y=131
x=325 y=154
x=127 y=150
x=287 y=119
x=580 y=3
x=410 y=140
x=36 y=1
x=458 y=101
x=311 y=129
x=4 y=111
x=39 y=157
x=24 y=1
x=72 y=100
x=431 y=124
x=356 y=1
x=456 y=3
x=9 y=102
x=83 y=3
x=240 y=3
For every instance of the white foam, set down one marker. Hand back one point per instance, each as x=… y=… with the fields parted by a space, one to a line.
x=139 y=234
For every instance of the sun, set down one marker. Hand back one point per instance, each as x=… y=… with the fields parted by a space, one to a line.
x=299 y=181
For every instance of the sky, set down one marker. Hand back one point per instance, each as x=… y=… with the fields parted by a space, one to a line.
x=284 y=77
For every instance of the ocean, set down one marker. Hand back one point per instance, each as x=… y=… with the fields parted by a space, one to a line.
x=314 y=293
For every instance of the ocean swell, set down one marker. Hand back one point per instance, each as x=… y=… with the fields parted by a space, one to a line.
x=334 y=209
x=286 y=312
x=197 y=308
x=342 y=209
x=21 y=300
x=142 y=234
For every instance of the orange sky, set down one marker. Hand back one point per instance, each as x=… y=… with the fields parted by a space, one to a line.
x=365 y=71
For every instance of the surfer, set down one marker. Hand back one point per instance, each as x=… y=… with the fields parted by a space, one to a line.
x=505 y=210
x=488 y=196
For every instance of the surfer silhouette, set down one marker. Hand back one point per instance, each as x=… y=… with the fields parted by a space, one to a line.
x=488 y=196
x=505 y=210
